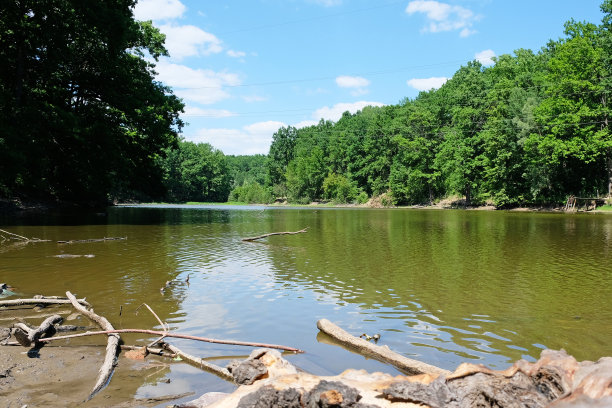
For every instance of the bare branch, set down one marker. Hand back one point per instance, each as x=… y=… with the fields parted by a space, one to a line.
x=274 y=233
x=106 y=370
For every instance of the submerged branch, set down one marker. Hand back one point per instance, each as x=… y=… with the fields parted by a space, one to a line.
x=200 y=363
x=79 y=241
x=275 y=233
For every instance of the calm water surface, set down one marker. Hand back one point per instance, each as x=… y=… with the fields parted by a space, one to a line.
x=444 y=287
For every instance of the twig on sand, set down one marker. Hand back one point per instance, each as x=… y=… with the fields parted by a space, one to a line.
x=275 y=233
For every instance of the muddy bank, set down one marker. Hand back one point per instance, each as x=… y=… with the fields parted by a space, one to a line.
x=62 y=376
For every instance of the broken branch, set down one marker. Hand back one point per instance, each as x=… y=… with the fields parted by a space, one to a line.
x=27 y=336
x=111 y=347
x=178 y=336
x=274 y=233
x=79 y=241
x=198 y=362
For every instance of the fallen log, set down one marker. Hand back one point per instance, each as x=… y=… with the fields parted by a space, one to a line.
x=110 y=358
x=381 y=353
x=27 y=336
x=275 y=233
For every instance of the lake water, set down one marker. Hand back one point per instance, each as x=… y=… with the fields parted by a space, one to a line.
x=444 y=287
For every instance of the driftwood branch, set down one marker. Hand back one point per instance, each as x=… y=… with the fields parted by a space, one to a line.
x=80 y=241
x=21 y=238
x=41 y=301
x=178 y=336
x=198 y=362
x=381 y=353
x=275 y=233
x=106 y=370
x=27 y=336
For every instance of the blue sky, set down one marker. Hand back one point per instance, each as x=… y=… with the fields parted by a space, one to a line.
x=244 y=68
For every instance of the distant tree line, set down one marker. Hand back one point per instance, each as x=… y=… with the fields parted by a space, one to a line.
x=82 y=119
x=531 y=129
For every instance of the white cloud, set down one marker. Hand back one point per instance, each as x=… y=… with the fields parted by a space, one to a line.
x=357 y=84
x=335 y=112
x=346 y=81
x=251 y=139
x=208 y=113
x=485 y=57
x=236 y=54
x=425 y=84
x=188 y=41
x=305 y=123
x=197 y=85
x=158 y=9
x=444 y=17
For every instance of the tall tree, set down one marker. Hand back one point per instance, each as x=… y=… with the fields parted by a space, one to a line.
x=82 y=118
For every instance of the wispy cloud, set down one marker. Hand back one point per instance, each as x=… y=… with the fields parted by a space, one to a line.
x=196 y=85
x=236 y=54
x=357 y=84
x=335 y=112
x=250 y=139
x=425 y=84
x=444 y=17
x=207 y=113
x=326 y=3
x=158 y=10
x=485 y=57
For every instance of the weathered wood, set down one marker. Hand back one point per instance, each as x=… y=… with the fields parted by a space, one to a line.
x=27 y=336
x=178 y=336
x=80 y=241
x=275 y=233
x=380 y=353
x=22 y=238
x=112 y=345
x=41 y=301
x=198 y=362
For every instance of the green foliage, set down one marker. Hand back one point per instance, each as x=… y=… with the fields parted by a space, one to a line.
x=247 y=169
x=252 y=193
x=339 y=189
x=82 y=118
x=195 y=172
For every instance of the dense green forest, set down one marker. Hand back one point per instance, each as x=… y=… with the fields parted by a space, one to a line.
x=82 y=118
x=531 y=129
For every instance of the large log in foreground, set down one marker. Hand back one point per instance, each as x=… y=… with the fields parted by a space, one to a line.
x=381 y=353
